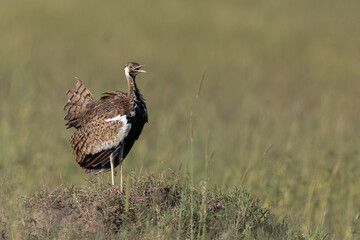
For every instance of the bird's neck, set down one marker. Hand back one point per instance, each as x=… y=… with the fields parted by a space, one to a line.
x=134 y=93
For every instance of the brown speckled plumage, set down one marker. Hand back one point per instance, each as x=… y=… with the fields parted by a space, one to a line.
x=104 y=126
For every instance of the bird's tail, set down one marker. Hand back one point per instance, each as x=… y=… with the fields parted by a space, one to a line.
x=78 y=101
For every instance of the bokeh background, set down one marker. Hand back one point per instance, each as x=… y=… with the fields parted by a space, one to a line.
x=280 y=97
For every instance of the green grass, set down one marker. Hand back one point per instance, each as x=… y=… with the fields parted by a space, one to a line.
x=278 y=73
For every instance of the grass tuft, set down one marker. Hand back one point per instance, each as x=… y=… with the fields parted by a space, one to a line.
x=155 y=207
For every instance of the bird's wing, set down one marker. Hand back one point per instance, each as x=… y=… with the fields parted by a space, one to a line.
x=103 y=128
x=114 y=95
x=78 y=103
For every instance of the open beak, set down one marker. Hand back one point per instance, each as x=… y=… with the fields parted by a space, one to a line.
x=139 y=70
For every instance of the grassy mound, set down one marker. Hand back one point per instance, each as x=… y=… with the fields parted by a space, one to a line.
x=151 y=207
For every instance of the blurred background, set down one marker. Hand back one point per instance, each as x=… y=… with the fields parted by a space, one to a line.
x=279 y=99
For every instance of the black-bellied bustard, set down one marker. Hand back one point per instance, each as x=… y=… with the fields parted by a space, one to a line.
x=106 y=129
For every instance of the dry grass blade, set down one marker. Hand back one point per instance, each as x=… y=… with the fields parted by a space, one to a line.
x=200 y=83
x=244 y=176
x=268 y=149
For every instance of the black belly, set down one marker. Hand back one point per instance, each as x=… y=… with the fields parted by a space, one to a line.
x=136 y=129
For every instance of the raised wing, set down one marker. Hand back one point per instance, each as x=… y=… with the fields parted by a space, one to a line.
x=79 y=101
x=102 y=130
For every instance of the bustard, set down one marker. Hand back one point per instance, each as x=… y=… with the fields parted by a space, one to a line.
x=106 y=129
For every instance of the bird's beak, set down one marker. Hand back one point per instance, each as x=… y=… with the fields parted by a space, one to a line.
x=139 y=70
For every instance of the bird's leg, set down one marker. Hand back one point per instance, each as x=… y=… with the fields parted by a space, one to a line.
x=112 y=168
x=120 y=163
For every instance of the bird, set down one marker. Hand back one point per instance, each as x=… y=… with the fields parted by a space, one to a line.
x=106 y=129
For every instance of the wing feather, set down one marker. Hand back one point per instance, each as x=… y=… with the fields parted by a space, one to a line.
x=103 y=128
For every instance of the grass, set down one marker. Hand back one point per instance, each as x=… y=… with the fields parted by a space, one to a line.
x=278 y=73
x=150 y=209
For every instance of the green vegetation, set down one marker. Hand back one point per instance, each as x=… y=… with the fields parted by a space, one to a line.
x=279 y=101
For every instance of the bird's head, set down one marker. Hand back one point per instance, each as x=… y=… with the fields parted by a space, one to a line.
x=132 y=69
